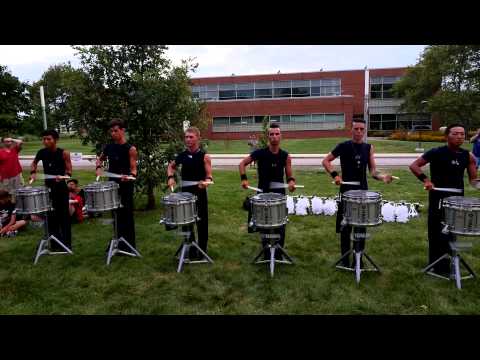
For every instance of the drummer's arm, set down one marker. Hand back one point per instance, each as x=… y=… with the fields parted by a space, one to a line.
x=241 y=168
x=328 y=166
x=372 y=167
x=207 y=160
x=13 y=220
x=68 y=163
x=33 y=169
x=133 y=161
x=99 y=163
x=472 y=170
x=416 y=169
x=289 y=174
x=172 y=167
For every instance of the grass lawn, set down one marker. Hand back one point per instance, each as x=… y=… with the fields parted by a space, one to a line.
x=82 y=284
x=294 y=146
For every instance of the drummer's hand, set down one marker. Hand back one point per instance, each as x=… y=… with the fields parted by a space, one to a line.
x=33 y=177
x=4 y=230
x=245 y=184
x=98 y=172
x=171 y=183
x=387 y=178
x=428 y=185
x=291 y=186
x=202 y=184
x=58 y=178
x=338 y=180
x=124 y=178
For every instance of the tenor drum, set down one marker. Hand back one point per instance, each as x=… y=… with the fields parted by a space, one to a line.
x=269 y=210
x=179 y=208
x=462 y=215
x=362 y=208
x=32 y=200
x=102 y=196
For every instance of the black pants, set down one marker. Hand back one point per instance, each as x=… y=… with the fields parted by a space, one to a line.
x=59 y=224
x=345 y=232
x=437 y=241
x=125 y=220
x=202 y=223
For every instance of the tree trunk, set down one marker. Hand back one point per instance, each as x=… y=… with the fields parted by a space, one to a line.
x=150 y=197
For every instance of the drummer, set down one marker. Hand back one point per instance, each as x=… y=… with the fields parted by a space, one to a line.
x=196 y=166
x=272 y=164
x=56 y=161
x=447 y=168
x=122 y=160
x=355 y=155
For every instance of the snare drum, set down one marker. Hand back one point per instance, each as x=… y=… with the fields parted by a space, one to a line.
x=462 y=215
x=269 y=210
x=32 y=200
x=362 y=208
x=179 y=208
x=102 y=196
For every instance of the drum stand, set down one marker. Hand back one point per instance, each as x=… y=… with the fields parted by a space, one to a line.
x=44 y=245
x=357 y=254
x=113 y=247
x=273 y=246
x=455 y=260
x=184 y=249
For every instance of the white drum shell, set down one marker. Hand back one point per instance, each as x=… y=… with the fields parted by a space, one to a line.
x=179 y=208
x=32 y=200
x=269 y=210
x=462 y=215
x=102 y=196
x=362 y=208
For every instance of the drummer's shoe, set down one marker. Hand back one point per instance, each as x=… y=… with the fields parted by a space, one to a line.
x=170 y=227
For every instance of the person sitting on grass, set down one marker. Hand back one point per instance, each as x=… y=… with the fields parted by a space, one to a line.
x=76 y=201
x=10 y=222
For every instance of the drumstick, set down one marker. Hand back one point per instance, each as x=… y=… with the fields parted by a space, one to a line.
x=193 y=183
x=98 y=178
x=395 y=177
x=348 y=182
x=452 y=190
x=30 y=181
x=254 y=188
x=279 y=185
x=48 y=176
x=113 y=175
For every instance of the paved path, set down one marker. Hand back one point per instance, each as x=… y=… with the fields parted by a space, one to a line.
x=232 y=160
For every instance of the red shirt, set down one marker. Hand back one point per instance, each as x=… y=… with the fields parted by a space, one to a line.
x=9 y=163
x=78 y=206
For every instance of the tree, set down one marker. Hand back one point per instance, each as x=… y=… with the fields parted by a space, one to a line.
x=139 y=84
x=446 y=81
x=14 y=102
x=263 y=141
x=61 y=84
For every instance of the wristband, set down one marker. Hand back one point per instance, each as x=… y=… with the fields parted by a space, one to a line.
x=68 y=174
x=243 y=177
x=98 y=167
x=170 y=177
x=422 y=177
x=290 y=179
x=33 y=172
x=334 y=174
x=209 y=177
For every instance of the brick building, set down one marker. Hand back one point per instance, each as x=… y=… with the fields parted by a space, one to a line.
x=307 y=105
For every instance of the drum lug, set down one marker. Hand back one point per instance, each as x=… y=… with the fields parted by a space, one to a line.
x=162 y=221
x=446 y=228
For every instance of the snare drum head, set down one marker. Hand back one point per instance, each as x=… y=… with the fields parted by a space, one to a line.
x=269 y=197
x=178 y=197
x=101 y=186
x=31 y=190
x=461 y=201
x=361 y=194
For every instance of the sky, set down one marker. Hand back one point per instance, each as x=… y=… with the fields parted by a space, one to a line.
x=28 y=62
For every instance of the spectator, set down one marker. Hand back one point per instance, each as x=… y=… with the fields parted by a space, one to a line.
x=10 y=222
x=476 y=146
x=10 y=168
x=76 y=202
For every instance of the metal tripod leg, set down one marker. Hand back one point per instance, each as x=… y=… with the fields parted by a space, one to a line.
x=340 y=260
x=209 y=259
x=44 y=245
x=272 y=260
x=430 y=266
x=182 y=257
x=376 y=268
x=458 y=276
x=284 y=253
x=469 y=269
x=358 y=271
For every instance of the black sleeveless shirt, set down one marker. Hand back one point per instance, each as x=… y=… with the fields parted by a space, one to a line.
x=193 y=166
x=447 y=167
x=270 y=167
x=354 y=159
x=52 y=161
x=118 y=158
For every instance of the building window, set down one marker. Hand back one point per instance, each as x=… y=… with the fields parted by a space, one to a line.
x=263 y=90
x=282 y=89
x=381 y=87
x=227 y=92
x=245 y=91
x=300 y=88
